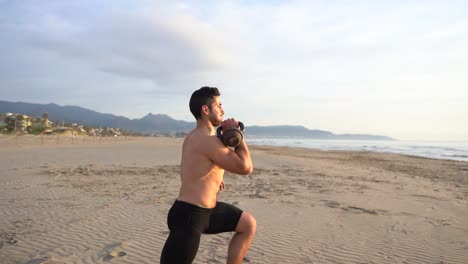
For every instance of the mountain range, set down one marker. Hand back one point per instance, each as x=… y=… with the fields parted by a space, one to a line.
x=160 y=123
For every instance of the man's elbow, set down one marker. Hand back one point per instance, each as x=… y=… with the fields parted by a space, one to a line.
x=250 y=170
x=247 y=170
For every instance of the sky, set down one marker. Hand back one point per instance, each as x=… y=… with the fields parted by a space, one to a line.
x=394 y=68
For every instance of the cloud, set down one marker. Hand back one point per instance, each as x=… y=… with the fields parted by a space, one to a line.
x=169 y=49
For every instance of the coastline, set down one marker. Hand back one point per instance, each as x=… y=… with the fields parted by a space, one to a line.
x=107 y=202
x=448 y=150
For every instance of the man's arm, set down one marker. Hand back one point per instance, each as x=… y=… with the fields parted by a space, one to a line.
x=243 y=152
x=237 y=161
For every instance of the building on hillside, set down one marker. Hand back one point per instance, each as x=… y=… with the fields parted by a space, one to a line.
x=41 y=124
x=109 y=131
x=79 y=129
x=21 y=123
x=91 y=131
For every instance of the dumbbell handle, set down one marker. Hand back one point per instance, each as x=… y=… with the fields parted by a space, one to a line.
x=221 y=134
x=241 y=126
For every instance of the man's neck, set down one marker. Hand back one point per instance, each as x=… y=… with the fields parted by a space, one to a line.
x=204 y=124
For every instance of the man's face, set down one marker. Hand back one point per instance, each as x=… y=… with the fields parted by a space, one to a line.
x=216 y=112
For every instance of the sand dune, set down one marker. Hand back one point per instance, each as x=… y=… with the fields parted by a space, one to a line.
x=107 y=202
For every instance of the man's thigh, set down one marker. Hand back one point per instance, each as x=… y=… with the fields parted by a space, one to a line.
x=224 y=218
x=180 y=247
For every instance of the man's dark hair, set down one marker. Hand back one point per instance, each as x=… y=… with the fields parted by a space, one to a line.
x=201 y=97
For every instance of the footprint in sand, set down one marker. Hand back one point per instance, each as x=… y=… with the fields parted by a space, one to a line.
x=111 y=251
x=8 y=238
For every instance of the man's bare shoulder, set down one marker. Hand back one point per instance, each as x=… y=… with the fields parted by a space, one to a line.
x=202 y=140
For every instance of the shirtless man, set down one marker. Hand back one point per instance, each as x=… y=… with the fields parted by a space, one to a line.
x=196 y=210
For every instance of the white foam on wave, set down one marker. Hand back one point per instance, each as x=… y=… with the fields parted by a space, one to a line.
x=453 y=150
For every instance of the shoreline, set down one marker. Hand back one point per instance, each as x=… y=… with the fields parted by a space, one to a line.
x=448 y=150
x=12 y=141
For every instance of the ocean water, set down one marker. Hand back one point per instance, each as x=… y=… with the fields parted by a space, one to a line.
x=451 y=150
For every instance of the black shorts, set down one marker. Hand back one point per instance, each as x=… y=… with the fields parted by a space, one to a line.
x=187 y=222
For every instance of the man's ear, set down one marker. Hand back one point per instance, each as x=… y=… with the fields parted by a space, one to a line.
x=205 y=109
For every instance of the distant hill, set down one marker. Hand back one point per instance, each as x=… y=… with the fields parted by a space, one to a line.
x=302 y=132
x=282 y=131
x=150 y=124
x=159 y=123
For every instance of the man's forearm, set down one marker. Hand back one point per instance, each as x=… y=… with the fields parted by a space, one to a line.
x=243 y=152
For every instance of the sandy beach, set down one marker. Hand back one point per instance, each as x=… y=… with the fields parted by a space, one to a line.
x=93 y=201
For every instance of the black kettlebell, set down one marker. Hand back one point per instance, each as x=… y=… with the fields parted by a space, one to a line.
x=232 y=136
